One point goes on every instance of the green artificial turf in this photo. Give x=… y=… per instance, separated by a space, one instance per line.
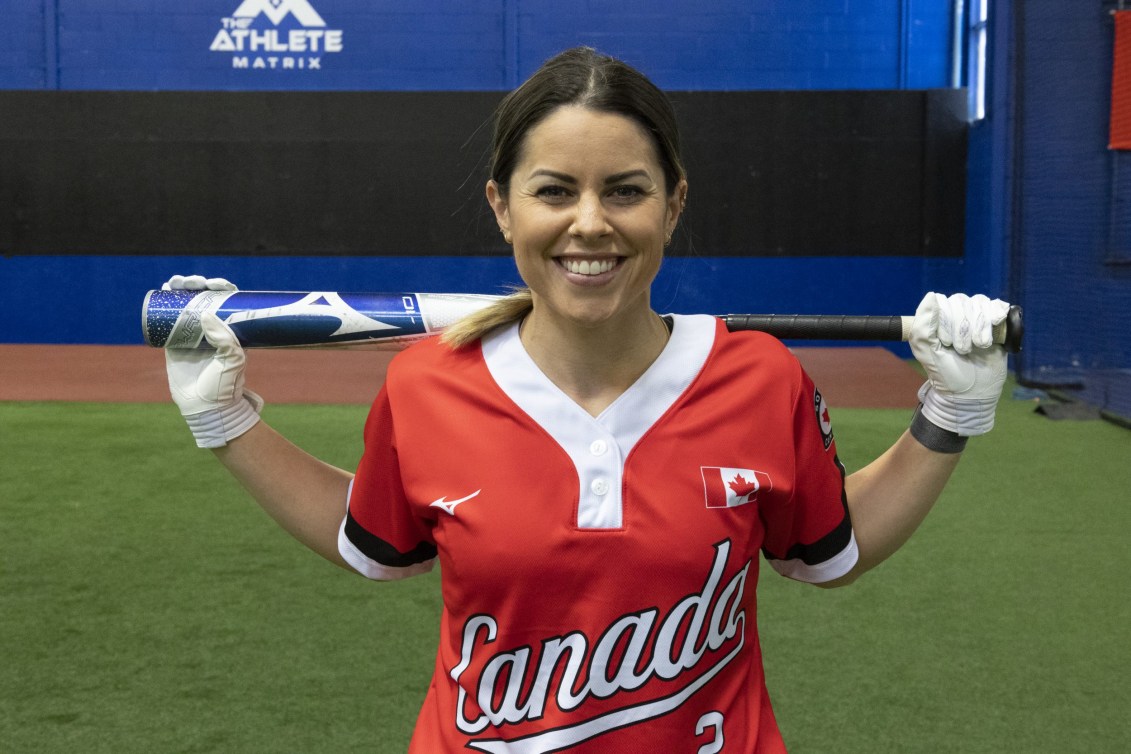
x=147 y=605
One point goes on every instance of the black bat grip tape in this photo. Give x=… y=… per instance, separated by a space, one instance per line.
x=819 y=326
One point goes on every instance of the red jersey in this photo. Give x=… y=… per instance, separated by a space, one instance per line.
x=599 y=573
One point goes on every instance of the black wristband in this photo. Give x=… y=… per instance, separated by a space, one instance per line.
x=934 y=437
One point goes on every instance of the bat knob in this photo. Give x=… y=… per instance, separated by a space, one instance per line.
x=1014 y=330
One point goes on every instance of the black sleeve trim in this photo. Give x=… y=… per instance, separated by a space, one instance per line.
x=827 y=547
x=824 y=549
x=380 y=551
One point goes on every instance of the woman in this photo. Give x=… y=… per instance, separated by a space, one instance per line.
x=596 y=480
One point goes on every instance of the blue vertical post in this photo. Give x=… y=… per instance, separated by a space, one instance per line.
x=957 y=42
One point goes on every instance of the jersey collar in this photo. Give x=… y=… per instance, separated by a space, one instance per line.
x=598 y=446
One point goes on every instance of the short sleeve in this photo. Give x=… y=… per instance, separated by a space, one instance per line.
x=809 y=538
x=381 y=537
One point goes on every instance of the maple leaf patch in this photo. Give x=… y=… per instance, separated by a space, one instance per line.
x=725 y=487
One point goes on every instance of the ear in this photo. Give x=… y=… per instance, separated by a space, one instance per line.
x=498 y=201
x=676 y=202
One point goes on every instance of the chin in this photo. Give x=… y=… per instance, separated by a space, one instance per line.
x=594 y=311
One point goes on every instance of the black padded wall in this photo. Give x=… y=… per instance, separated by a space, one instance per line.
x=791 y=173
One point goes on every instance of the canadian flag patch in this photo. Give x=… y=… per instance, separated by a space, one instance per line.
x=728 y=488
x=824 y=421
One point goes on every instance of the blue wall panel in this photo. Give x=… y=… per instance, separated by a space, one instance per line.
x=474 y=44
x=23 y=46
x=771 y=44
x=380 y=45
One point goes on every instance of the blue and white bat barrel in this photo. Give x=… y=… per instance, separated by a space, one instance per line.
x=291 y=319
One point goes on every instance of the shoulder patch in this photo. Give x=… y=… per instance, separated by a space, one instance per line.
x=824 y=421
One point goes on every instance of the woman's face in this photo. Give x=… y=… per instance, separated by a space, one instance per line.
x=588 y=215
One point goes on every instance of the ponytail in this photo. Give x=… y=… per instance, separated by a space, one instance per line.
x=474 y=326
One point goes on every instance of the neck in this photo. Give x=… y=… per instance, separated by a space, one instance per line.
x=594 y=364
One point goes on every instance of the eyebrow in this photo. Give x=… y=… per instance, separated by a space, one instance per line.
x=615 y=178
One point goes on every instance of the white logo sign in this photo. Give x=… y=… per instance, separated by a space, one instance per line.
x=254 y=44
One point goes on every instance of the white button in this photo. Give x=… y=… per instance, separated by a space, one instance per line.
x=599 y=447
x=600 y=486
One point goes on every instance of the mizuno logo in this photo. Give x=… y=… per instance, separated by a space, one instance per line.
x=449 y=506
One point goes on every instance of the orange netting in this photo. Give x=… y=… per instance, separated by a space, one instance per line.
x=1121 y=83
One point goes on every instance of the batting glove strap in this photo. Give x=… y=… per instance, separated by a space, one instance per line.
x=933 y=437
x=966 y=416
x=217 y=427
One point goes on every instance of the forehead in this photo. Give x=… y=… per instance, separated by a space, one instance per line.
x=590 y=137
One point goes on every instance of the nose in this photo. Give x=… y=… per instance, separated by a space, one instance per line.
x=589 y=221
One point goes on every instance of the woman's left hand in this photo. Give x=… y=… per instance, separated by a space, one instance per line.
x=952 y=337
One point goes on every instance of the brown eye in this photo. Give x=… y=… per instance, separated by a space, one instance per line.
x=627 y=193
x=551 y=193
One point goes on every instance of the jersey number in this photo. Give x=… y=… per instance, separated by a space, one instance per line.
x=711 y=720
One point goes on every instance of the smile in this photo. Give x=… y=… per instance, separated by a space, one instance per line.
x=587 y=267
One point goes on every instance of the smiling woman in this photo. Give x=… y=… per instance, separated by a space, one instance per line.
x=598 y=481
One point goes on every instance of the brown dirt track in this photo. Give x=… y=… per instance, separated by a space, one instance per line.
x=847 y=377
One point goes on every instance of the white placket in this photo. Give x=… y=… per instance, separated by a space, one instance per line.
x=598 y=446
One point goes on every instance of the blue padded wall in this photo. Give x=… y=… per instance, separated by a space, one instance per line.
x=472 y=44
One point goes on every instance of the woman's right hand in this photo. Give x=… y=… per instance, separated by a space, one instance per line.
x=306 y=496
x=208 y=385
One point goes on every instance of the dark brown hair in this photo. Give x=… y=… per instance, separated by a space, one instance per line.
x=584 y=77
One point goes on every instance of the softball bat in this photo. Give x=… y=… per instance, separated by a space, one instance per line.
x=390 y=321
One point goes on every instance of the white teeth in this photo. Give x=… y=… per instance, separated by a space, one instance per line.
x=585 y=267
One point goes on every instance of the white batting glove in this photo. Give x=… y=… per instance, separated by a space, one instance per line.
x=208 y=386
x=952 y=337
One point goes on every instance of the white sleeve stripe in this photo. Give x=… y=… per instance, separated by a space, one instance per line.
x=818 y=573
